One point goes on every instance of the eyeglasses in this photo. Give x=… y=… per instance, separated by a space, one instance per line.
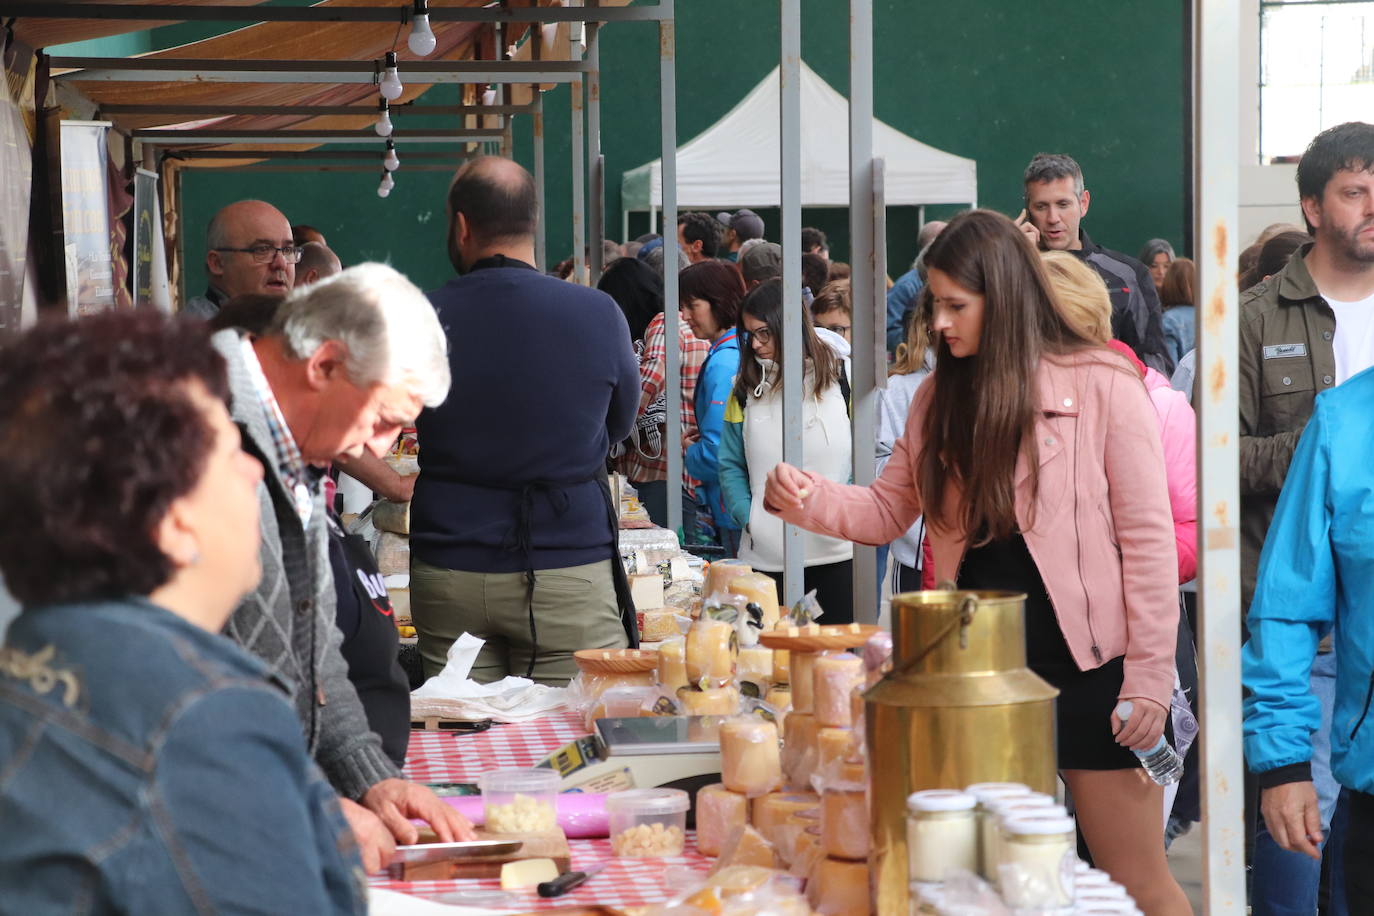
x=263 y=254
x=763 y=335
x=841 y=329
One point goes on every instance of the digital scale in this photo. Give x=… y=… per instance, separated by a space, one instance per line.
x=679 y=752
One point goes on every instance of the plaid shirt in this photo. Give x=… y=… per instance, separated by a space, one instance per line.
x=294 y=471
x=634 y=464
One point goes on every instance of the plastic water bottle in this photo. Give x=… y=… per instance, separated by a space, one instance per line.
x=1161 y=761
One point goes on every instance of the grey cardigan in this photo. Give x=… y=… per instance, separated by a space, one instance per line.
x=288 y=620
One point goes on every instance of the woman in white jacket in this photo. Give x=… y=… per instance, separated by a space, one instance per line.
x=751 y=444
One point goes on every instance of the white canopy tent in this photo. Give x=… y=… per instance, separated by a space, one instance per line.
x=735 y=162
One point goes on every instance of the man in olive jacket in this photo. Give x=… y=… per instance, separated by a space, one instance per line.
x=1304 y=330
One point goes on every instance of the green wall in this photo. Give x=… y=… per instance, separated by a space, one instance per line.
x=993 y=81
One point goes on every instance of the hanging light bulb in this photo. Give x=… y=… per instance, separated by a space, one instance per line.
x=489 y=96
x=383 y=126
x=390 y=85
x=548 y=33
x=387 y=183
x=391 y=161
x=422 y=40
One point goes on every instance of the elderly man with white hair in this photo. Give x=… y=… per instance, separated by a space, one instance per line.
x=345 y=364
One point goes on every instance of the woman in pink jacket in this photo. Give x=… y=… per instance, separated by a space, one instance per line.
x=1035 y=457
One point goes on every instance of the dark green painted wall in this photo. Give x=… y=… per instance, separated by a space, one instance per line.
x=994 y=81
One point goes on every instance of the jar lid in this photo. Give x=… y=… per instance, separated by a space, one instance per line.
x=1006 y=812
x=940 y=800
x=648 y=801
x=534 y=781
x=979 y=789
x=1038 y=824
x=1001 y=803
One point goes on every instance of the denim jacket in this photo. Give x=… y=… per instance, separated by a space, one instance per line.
x=148 y=766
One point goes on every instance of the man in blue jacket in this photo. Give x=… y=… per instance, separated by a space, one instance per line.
x=1316 y=576
x=513 y=531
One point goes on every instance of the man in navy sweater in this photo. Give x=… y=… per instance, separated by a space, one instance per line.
x=513 y=532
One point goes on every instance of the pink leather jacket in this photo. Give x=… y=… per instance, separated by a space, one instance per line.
x=1101 y=532
x=1178 y=429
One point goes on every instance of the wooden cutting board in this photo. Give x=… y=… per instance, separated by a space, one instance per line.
x=550 y=845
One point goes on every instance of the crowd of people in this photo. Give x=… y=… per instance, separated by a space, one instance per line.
x=205 y=655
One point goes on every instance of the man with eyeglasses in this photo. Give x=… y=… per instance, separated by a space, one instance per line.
x=249 y=249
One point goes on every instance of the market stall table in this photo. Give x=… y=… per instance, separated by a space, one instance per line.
x=451 y=757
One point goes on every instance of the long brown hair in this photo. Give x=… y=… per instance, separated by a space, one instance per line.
x=912 y=352
x=764 y=302
x=1179 y=284
x=983 y=409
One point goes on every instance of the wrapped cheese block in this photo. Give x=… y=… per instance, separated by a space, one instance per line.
x=835 y=676
x=759 y=589
x=711 y=649
x=805 y=848
x=799 y=750
x=833 y=747
x=713 y=701
x=720 y=572
x=720 y=813
x=771 y=811
x=844 y=821
x=750 y=758
x=664 y=623
x=755 y=666
x=839 y=888
x=802 y=681
x=646 y=590
x=746 y=846
x=672 y=664
x=393 y=554
x=391 y=516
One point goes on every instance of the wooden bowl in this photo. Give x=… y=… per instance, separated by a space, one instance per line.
x=818 y=638
x=616 y=661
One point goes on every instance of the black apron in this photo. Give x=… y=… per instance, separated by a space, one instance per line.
x=370 y=642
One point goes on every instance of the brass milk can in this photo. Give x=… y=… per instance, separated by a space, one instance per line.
x=959 y=707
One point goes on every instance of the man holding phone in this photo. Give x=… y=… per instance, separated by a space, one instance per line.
x=1056 y=203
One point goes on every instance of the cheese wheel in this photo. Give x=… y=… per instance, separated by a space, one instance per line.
x=672 y=664
x=655 y=626
x=750 y=758
x=771 y=811
x=711 y=649
x=720 y=572
x=838 y=888
x=803 y=684
x=720 y=813
x=755 y=663
x=799 y=750
x=844 y=821
x=834 y=678
x=713 y=701
x=757 y=588
x=833 y=747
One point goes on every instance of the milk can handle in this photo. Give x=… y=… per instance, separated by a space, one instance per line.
x=963 y=620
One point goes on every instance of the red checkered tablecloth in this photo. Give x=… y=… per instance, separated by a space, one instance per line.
x=447 y=756
x=462 y=757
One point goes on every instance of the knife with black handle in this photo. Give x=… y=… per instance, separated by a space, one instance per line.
x=567 y=881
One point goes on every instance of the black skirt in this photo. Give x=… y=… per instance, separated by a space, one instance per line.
x=1086 y=698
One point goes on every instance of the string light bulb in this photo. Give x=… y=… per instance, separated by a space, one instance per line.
x=387 y=183
x=383 y=126
x=422 y=40
x=548 y=33
x=390 y=85
x=489 y=96
x=391 y=161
